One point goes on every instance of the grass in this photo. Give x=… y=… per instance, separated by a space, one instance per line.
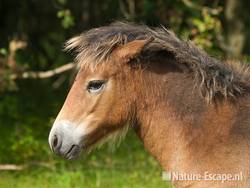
x=127 y=166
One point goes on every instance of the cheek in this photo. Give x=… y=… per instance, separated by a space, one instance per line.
x=117 y=106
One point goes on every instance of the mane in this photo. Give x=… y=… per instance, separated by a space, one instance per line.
x=216 y=79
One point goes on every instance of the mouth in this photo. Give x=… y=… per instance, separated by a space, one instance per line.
x=87 y=147
x=73 y=152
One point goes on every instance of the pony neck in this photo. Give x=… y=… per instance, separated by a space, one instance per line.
x=175 y=123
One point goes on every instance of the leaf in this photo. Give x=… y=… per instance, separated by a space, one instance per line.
x=3 y=51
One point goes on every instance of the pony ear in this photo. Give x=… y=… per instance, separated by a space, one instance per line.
x=131 y=49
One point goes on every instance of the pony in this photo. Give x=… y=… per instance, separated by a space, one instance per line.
x=190 y=110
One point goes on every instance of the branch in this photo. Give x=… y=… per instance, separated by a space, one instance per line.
x=11 y=167
x=16 y=167
x=43 y=74
x=192 y=5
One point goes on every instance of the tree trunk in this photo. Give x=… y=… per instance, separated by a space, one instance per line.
x=234 y=28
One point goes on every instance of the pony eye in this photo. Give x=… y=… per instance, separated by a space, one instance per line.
x=95 y=86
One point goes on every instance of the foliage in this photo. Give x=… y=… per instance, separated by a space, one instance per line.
x=67 y=18
x=134 y=168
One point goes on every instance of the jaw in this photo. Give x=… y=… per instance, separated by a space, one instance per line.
x=114 y=138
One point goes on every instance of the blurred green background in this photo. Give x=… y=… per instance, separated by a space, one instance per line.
x=32 y=34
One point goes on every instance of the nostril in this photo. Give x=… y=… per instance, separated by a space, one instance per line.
x=55 y=141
